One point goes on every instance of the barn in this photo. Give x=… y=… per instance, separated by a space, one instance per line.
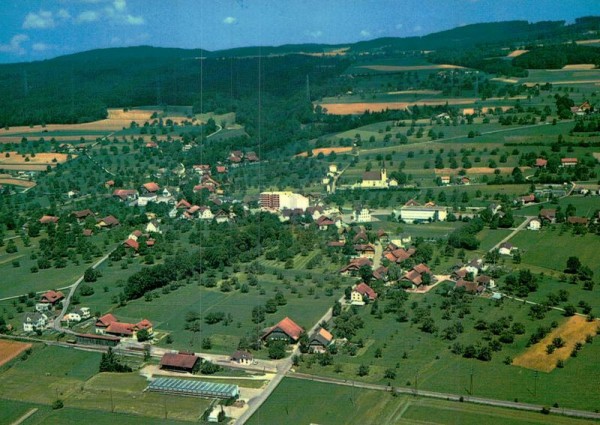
x=179 y=362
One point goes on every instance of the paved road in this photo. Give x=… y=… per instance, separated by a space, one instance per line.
x=514 y=232
x=282 y=369
x=65 y=305
x=449 y=396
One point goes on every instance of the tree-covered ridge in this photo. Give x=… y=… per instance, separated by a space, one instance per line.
x=556 y=57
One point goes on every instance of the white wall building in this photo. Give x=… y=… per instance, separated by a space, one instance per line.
x=283 y=200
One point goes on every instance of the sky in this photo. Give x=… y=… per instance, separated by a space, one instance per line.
x=41 y=29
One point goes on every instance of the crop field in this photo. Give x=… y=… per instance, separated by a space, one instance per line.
x=16 y=182
x=326 y=151
x=357 y=406
x=576 y=329
x=563 y=76
x=11 y=349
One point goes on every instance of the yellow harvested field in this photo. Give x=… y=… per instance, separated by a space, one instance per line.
x=594 y=41
x=131 y=114
x=391 y=68
x=11 y=349
x=505 y=80
x=476 y=170
x=596 y=155
x=326 y=151
x=516 y=53
x=16 y=182
x=573 y=331
x=359 y=108
x=46 y=158
x=580 y=66
x=415 y=92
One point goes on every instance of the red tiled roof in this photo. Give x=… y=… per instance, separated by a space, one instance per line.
x=52 y=297
x=88 y=232
x=568 y=160
x=541 y=162
x=144 y=324
x=151 y=187
x=288 y=327
x=325 y=334
x=105 y=320
x=412 y=203
x=179 y=360
x=364 y=289
x=48 y=219
x=120 y=328
x=130 y=243
x=421 y=268
x=183 y=204
x=578 y=220
x=110 y=221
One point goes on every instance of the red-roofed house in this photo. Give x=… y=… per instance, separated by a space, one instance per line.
x=582 y=221
x=221 y=169
x=360 y=292
x=108 y=324
x=527 y=199
x=568 y=162
x=286 y=330
x=355 y=264
x=183 y=204
x=83 y=214
x=320 y=341
x=541 y=163
x=150 y=187
x=103 y=322
x=48 y=219
x=108 y=221
x=468 y=286
x=131 y=243
x=126 y=194
x=179 y=362
x=49 y=300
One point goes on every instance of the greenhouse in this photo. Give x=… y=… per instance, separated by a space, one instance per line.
x=193 y=388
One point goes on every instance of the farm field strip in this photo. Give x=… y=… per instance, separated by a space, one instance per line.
x=11 y=349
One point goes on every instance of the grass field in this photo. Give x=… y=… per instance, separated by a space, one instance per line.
x=353 y=406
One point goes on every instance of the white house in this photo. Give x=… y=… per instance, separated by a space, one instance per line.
x=506 y=249
x=71 y=317
x=153 y=227
x=412 y=212
x=33 y=321
x=362 y=215
x=205 y=213
x=534 y=224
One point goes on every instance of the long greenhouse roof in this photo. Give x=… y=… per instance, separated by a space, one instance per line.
x=187 y=386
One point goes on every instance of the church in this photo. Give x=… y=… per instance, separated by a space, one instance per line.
x=376 y=180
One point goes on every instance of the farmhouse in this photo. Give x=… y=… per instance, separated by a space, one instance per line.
x=548 y=215
x=320 y=341
x=541 y=163
x=49 y=301
x=471 y=287
x=360 y=292
x=580 y=221
x=413 y=212
x=568 y=162
x=527 y=199
x=418 y=275
x=365 y=250
x=126 y=195
x=108 y=222
x=355 y=264
x=534 y=224
x=82 y=215
x=47 y=219
x=324 y=222
x=286 y=330
x=108 y=324
x=149 y=188
x=242 y=357
x=179 y=362
x=34 y=321
x=506 y=249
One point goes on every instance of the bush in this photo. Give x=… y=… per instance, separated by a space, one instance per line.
x=57 y=404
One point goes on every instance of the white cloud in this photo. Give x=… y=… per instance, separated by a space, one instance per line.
x=63 y=14
x=417 y=28
x=120 y=5
x=42 y=47
x=315 y=34
x=229 y=20
x=399 y=26
x=365 y=33
x=135 y=20
x=87 y=16
x=15 y=45
x=41 y=20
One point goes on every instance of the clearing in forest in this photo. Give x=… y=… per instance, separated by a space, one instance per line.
x=326 y=151
x=573 y=331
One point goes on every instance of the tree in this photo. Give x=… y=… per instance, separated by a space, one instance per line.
x=363 y=370
x=90 y=275
x=337 y=309
x=389 y=374
x=573 y=265
x=143 y=335
x=277 y=350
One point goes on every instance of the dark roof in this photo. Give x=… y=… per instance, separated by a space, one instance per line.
x=179 y=360
x=371 y=175
x=241 y=355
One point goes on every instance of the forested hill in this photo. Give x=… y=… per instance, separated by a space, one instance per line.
x=79 y=87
